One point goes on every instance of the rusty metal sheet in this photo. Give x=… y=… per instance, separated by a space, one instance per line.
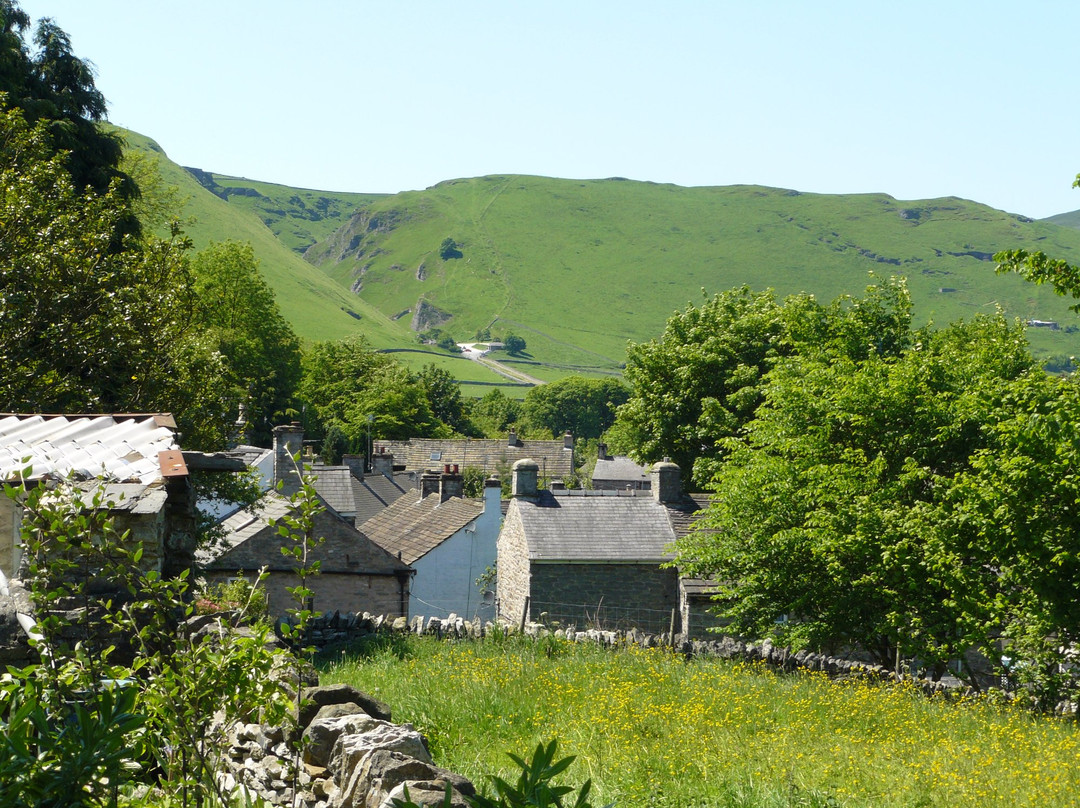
x=172 y=464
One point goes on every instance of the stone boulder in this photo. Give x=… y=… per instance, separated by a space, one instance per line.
x=384 y=770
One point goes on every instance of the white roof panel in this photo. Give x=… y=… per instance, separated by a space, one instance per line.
x=123 y=448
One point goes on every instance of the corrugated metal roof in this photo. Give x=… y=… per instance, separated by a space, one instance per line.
x=121 y=448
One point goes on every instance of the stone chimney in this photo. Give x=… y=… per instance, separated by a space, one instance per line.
x=382 y=462
x=451 y=484
x=355 y=462
x=524 y=481
x=601 y=451
x=666 y=485
x=240 y=433
x=568 y=441
x=512 y=439
x=429 y=483
x=288 y=443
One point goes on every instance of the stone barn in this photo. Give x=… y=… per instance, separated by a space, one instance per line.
x=593 y=558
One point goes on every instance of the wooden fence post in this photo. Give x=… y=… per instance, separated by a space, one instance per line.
x=524 y=615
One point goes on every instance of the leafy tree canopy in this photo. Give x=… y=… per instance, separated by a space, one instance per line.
x=447 y=403
x=84 y=326
x=236 y=310
x=910 y=503
x=345 y=381
x=584 y=407
x=703 y=379
x=48 y=83
x=514 y=344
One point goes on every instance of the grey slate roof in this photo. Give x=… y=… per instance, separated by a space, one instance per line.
x=603 y=526
x=414 y=527
x=118 y=447
x=375 y=492
x=252 y=542
x=620 y=469
x=418 y=454
x=242 y=525
x=334 y=485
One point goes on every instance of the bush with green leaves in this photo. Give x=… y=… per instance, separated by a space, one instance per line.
x=80 y=729
x=535 y=786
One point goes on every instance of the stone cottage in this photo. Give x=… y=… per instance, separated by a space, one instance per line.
x=554 y=458
x=132 y=460
x=355 y=575
x=618 y=472
x=448 y=539
x=593 y=557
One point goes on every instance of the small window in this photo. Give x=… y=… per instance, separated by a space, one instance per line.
x=436 y=455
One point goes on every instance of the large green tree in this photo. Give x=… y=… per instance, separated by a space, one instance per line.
x=703 y=379
x=907 y=503
x=345 y=382
x=584 y=407
x=41 y=76
x=236 y=312
x=84 y=326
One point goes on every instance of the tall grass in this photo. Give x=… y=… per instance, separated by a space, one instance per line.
x=651 y=729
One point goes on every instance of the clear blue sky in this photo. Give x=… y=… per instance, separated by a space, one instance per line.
x=914 y=99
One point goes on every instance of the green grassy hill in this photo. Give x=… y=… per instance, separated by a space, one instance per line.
x=317 y=307
x=580 y=267
x=1070 y=219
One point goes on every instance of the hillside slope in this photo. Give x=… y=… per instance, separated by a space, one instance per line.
x=316 y=307
x=579 y=267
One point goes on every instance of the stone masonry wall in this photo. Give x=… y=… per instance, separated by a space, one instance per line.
x=513 y=567
x=380 y=594
x=644 y=594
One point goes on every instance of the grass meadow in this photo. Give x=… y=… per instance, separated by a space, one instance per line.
x=651 y=729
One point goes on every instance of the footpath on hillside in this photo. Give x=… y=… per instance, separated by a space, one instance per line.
x=470 y=350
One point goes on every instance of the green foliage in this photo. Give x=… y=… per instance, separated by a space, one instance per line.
x=495 y=413
x=584 y=407
x=702 y=381
x=514 y=344
x=60 y=755
x=535 y=786
x=236 y=310
x=298 y=529
x=237 y=595
x=85 y=326
x=50 y=85
x=345 y=381
x=449 y=250
x=444 y=397
x=82 y=729
x=909 y=503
